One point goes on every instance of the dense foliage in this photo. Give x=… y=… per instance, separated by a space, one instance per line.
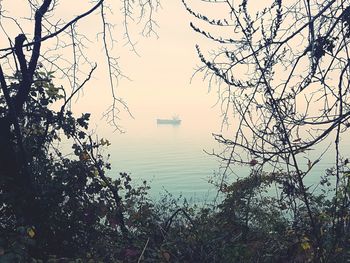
x=75 y=213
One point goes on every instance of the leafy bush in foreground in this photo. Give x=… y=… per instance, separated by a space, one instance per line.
x=72 y=212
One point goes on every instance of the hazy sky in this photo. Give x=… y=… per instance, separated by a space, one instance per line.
x=160 y=76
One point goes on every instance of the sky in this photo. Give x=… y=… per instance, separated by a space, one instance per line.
x=160 y=84
x=159 y=81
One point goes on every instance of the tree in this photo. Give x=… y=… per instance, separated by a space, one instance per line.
x=33 y=172
x=283 y=74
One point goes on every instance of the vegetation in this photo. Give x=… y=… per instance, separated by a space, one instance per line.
x=59 y=207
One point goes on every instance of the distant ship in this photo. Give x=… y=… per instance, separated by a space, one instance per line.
x=173 y=121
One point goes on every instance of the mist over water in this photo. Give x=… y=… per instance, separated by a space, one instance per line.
x=169 y=157
x=172 y=157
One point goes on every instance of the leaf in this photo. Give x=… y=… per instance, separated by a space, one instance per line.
x=338 y=250
x=84 y=156
x=305 y=245
x=105 y=142
x=30 y=232
x=95 y=172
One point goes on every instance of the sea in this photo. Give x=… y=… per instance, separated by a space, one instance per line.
x=179 y=160
x=171 y=158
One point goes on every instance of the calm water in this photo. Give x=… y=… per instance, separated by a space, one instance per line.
x=171 y=158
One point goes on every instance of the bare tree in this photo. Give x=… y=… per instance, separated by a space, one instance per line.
x=66 y=51
x=282 y=75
